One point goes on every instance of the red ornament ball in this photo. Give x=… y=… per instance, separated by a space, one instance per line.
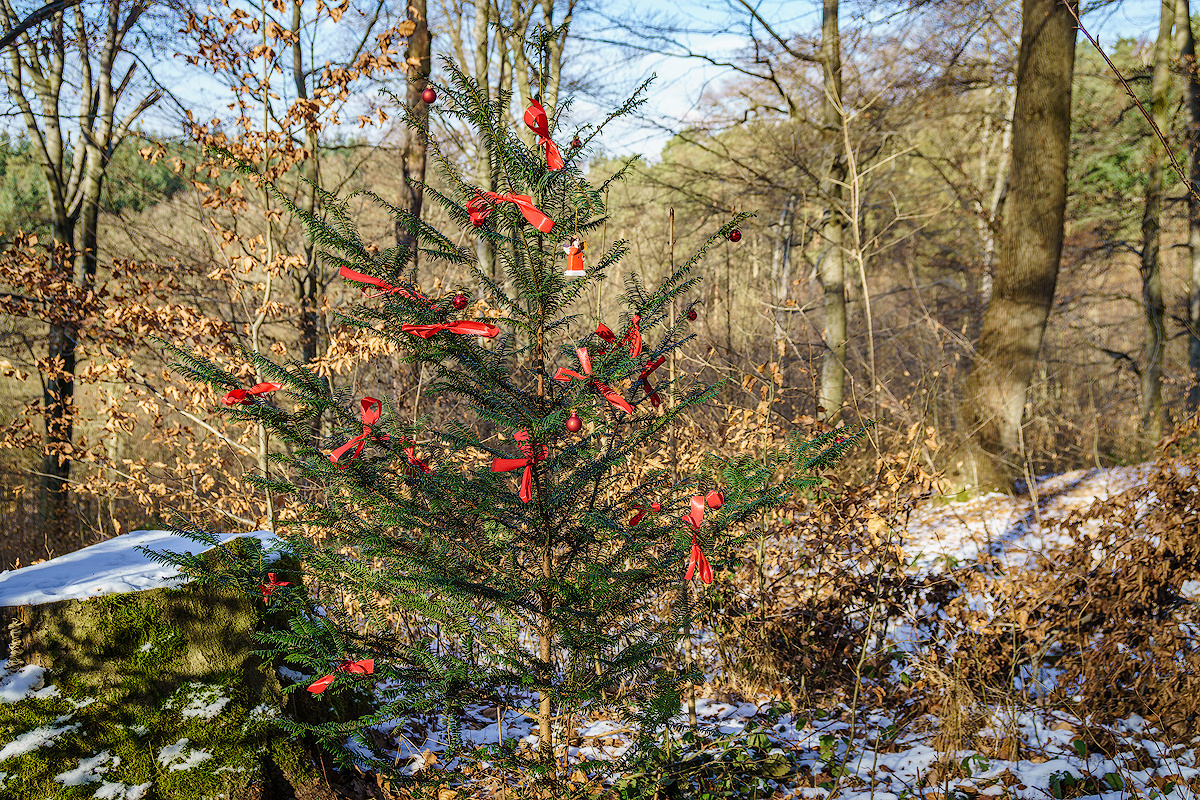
x=574 y=423
x=576 y=144
x=735 y=235
x=429 y=95
x=691 y=315
x=460 y=301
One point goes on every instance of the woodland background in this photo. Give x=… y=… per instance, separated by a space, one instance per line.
x=882 y=183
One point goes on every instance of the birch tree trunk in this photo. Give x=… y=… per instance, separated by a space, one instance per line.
x=832 y=266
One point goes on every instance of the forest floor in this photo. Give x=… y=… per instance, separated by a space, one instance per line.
x=893 y=739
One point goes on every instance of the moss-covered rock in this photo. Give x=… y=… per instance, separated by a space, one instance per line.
x=158 y=696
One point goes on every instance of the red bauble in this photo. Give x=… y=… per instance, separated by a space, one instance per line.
x=574 y=423
x=460 y=301
x=691 y=315
x=429 y=95
x=576 y=144
x=735 y=235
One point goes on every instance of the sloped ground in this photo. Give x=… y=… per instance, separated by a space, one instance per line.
x=926 y=721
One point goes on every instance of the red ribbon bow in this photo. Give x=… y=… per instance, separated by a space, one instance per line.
x=509 y=464
x=411 y=452
x=535 y=118
x=370 y=414
x=585 y=362
x=633 y=336
x=267 y=588
x=644 y=380
x=243 y=396
x=384 y=286
x=366 y=667
x=525 y=203
x=478 y=210
x=715 y=499
x=466 y=326
x=697 y=559
x=641 y=512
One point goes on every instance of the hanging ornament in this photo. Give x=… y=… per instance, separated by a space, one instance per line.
x=691 y=315
x=460 y=301
x=576 y=144
x=574 y=423
x=735 y=235
x=574 y=250
x=429 y=95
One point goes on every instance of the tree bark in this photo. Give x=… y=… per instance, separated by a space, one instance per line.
x=1153 y=413
x=832 y=267
x=36 y=70
x=1031 y=246
x=1187 y=57
x=417 y=60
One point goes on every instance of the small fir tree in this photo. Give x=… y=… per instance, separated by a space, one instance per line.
x=556 y=573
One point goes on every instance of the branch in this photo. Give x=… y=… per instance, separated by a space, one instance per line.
x=41 y=15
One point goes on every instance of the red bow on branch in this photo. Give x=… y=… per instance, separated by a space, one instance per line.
x=535 y=118
x=525 y=203
x=633 y=336
x=644 y=380
x=696 y=559
x=411 y=452
x=585 y=362
x=478 y=210
x=467 y=327
x=509 y=464
x=366 y=667
x=267 y=588
x=384 y=286
x=243 y=396
x=641 y=512
x=370 y=414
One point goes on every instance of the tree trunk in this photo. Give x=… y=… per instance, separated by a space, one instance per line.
x=832 y=268
x=1030 y=248
x=417 y=59
x=483 y=162
x=1187 y=56
x=1151 y=267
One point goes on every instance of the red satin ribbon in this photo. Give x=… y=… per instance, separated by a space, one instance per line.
x=525 y=203
x=267 y=588
x=644 y=380
x=695 y=516
x=370 y=413
x=411 y=452
x=535 y=118
x=366 y=667
x=243 y=396
x=509 y=464
x=478 y=210
x=633 y=336
x=715 y=499
x=641 y=512
x=466 y=326
x=386 y=287
x=585 y=362
x=697 y=560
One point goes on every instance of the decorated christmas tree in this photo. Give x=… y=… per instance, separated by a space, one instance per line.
x=532 y=562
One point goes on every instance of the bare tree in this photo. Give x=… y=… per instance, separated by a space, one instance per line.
x=44 y=63
x=1031 y=246
x=1186 y=44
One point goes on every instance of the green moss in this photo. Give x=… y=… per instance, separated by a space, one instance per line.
x=133 y=673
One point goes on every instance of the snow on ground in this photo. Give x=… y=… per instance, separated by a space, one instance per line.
x=113 y=566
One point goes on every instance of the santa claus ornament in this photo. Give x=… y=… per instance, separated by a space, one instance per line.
x=574 y=250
